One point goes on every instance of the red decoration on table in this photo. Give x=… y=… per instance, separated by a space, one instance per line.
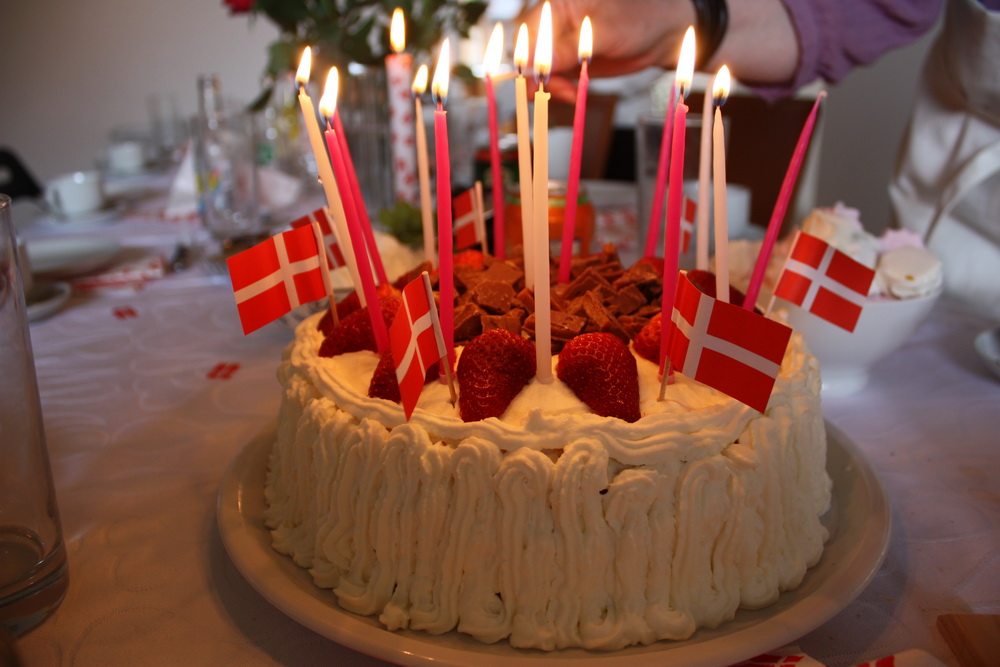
x=416 y=341
x=276 y=276
x=333 y=252
x=222 y=371
x=465 y=220
x=690 y=207
x=354 y=194
x=576 y=151
x=781 y=204
x=724 y=346
x=124 y=312
x=824 y=281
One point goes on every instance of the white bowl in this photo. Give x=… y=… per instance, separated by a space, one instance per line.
x=845 y=357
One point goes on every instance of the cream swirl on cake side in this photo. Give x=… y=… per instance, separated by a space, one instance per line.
x=551 y=527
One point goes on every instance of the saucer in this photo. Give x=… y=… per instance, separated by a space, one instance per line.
x=70 y=257
x=107 y=213
x=45 y=299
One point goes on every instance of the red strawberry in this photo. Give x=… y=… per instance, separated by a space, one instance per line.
x=384 y=384
x=470 y=258
x=355 y=331
x=705 y=281
x=492 y=370
x=647 y=343
x=601 y=371
x=350 y=304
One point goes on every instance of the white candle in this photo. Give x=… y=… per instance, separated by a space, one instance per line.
x=720 y=90
x=540 y=195
x=423 y=170
x=325 y=171
x=704 y=155
x=524 y=153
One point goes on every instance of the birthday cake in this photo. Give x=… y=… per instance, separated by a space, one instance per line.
x=547 y=524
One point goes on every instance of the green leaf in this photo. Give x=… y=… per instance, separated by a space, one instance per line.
x=403 y=221
x=259 y=103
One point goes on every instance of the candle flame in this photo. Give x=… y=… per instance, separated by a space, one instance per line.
x=685 y=64
x=586 y=49
x=720 y=88
x=521 y=49
x=305 y=64
x=328 y=102
x=439 y=86
x=494 y=50
x=419 y=86
x=397 y=31
x=543 y=47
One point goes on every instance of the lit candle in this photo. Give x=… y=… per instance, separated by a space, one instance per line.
x=540 y=195
x=704 y=156
x=672 y=235
x=781 y=204
x=328 y=107
x=423 y=170
x=524 y=152
x=720 y=91
x=585 y=50
x=662 y=165
x=323 y=167
x=491 y=63
x=439 y=87
x=359 y=203
x=398 y=69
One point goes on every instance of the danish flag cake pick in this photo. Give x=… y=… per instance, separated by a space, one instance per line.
x=416 y=341
x=276 y=276
x=733 y=350
x=689 y=212
x=824 y=281
x=333 y=252
x=466 y=215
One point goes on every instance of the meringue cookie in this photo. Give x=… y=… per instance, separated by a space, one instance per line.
x=909 y=272
x=840 y=226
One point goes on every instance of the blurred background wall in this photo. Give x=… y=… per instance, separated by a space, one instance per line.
x=72 y=71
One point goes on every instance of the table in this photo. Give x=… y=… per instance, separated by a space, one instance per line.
x=147 y=397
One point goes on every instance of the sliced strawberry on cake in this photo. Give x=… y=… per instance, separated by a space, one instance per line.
x=492 y=370
x=601 y=371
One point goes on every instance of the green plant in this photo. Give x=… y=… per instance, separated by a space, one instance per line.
x=343 y=31
x=403 y=221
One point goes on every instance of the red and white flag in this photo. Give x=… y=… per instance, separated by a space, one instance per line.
x=333 y=253
x=466 y=214
x=724 y=346
x=824 y=281
x=415 y=340
x=689 y=208
x=276 y=276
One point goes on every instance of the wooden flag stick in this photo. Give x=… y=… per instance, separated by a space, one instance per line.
x=665 y=379
x=479 y=208
x=324 y=268
x=439 y=337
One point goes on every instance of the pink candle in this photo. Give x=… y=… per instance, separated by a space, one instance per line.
x=781 y=205
x=357 y=244
x=672 y=236
x=359 y=201
x=576 y=152
x=656 y=206
x=442 y=158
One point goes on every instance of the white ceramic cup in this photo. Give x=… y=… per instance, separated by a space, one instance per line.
x=75 y=194
x=126 y=157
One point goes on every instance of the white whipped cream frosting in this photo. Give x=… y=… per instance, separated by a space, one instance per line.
x=551 y=527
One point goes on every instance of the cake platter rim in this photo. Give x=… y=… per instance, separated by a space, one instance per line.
x=859 y=522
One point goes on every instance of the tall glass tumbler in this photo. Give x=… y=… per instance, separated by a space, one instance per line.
x=33 y=574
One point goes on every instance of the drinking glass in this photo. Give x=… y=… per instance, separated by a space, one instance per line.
x=33 y=574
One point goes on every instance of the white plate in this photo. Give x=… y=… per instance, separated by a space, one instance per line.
x=46 y=298
x=70 y=257
x=859 y=524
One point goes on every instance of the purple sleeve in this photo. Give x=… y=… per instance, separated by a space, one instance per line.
x=837 y=35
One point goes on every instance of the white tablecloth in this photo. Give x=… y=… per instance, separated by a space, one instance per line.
x=148 y=397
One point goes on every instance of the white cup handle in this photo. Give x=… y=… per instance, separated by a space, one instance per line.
x=53 y=199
